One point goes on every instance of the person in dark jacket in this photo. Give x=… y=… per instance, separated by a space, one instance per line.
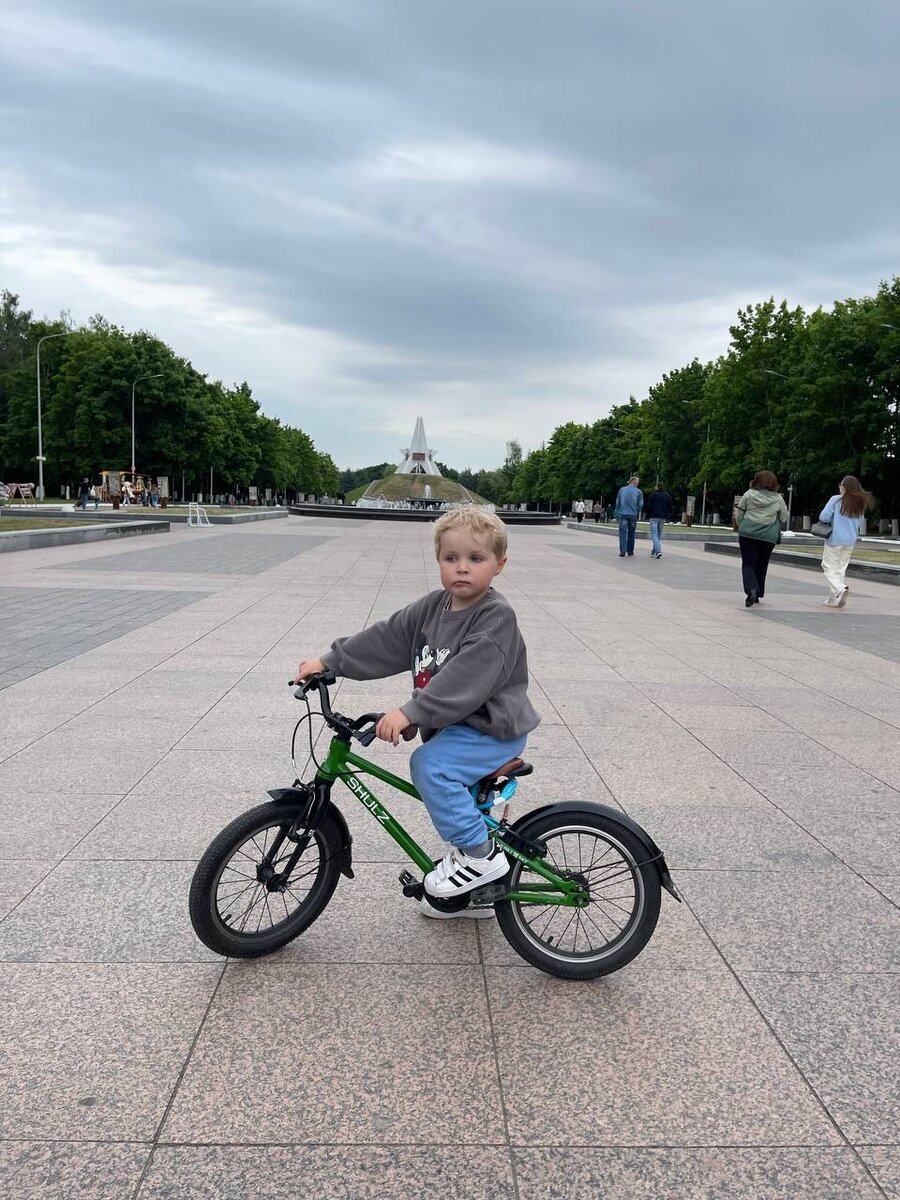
x=658 y=507
x=83 y=492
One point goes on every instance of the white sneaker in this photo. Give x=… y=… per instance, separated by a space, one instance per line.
x=458 y=873
x=830 y=603
x=475 y=913
x=842 y=598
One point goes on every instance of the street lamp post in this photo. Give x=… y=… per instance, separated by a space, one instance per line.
x=157 y=375
x=703 y=509
x=40 y=453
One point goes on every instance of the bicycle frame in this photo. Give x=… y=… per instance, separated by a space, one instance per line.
x=567 y=893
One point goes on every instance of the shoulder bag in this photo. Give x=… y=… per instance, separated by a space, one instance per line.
x=821 y=529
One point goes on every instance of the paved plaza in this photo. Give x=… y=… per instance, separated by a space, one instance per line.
x=750 y=1052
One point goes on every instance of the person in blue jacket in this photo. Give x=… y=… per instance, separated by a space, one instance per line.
x=658 y=508
x=629 y=502
x=845 y=512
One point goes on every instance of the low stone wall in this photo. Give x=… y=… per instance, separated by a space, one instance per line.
x=37 y=539
x=217 y=516
x=349 y=512
x=879 y=572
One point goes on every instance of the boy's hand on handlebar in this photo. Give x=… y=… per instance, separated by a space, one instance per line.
x=309 y=666
x=391 y=726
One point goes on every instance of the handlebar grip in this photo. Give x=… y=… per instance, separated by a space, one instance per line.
x=322 y=679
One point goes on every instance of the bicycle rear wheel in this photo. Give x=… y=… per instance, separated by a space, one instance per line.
x=246 y=898
x=611 y=862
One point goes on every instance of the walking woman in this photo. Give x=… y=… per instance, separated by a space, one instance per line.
x=759 y=517
x=845 y=512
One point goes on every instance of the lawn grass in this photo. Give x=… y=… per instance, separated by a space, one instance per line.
x=865 y=555
x=17 y=524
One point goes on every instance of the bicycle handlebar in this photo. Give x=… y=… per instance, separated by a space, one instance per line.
x=321 y=683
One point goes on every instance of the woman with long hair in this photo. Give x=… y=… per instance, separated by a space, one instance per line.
x=759 y=517
x=845 y=512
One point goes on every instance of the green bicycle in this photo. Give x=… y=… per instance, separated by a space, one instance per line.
x=581 y=898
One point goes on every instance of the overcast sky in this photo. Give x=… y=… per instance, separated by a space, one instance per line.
x=496 y=214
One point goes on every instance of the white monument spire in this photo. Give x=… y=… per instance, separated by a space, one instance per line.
x=417 y=458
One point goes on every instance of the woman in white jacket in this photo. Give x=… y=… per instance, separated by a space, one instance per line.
x=845 y=512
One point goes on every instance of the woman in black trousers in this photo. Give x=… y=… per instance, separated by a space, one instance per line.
x=759 y=517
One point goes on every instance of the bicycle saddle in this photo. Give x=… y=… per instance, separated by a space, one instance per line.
x=510 y=770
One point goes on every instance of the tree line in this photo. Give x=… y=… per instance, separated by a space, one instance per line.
x=186 y=425
x=811 y=397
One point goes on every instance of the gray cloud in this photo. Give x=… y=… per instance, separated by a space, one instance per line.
x=501 y=215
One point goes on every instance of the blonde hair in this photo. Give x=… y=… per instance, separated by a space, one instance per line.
x=479 y=521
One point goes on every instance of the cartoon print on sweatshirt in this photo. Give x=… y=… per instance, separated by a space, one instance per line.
x=427 y=662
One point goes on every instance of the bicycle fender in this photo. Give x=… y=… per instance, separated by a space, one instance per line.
x=293 y=795
x=613 y=814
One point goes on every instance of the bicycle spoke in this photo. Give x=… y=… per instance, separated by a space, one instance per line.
x=246 y=905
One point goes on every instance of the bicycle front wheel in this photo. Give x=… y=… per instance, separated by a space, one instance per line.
x=611 y=862
x=248 y=897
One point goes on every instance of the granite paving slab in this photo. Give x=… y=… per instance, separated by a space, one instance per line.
x=18 y=877
x=327 y=1173
x=797 y=920
x=732 y=838
x=644 y=1057
x=214 y=552
x=48 y=824
x=71 y=1170
x=884 y=1163
x=92 y=1052
x=843 y=1032
x=105 y=912
x=46 y=626
x=873 y=633
x=351 y=1039
x=174 y=825
x=725 y=1173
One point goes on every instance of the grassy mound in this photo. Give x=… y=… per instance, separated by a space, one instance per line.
x=412 y=487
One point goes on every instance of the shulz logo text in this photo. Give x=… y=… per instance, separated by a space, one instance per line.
x=367 y=798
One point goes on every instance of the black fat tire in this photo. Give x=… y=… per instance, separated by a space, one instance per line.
x=638 y=929
x=206 y=919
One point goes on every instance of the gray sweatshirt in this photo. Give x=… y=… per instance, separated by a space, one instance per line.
x=469 y=667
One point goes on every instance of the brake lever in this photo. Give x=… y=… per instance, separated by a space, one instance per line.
x=367 y=738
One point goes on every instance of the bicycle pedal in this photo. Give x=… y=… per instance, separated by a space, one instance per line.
x=412 y=887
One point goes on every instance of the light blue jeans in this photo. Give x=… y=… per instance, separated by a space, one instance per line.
x=444 y=768
x=656 y=528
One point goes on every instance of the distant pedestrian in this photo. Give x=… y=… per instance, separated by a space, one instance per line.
x=659 y=508
x=598 y=512
x=83 y=492
x=629 y=502
x=154 y=496
x=579 y=511
x=95 y=496
x=845 y=512
x=758 y=518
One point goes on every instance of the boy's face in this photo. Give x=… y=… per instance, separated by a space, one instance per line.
x=468 y=566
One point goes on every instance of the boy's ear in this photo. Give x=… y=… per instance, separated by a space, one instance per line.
x=501 y=563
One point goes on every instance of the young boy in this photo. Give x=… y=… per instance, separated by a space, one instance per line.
x=470 y=678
